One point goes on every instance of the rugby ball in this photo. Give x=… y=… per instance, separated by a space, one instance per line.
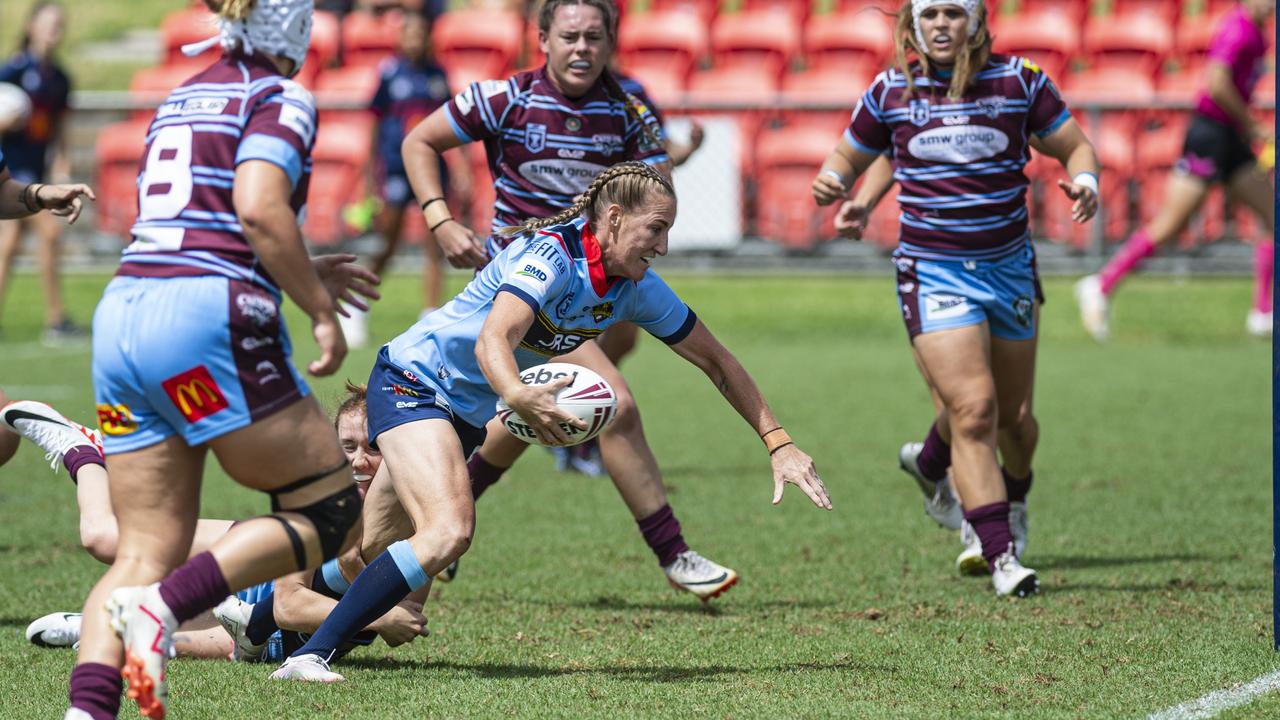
x=15 y=108
x=589 y=397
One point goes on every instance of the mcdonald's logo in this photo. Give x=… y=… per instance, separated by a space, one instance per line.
x=195 y=394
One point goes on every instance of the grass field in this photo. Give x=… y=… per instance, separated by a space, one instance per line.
x=1150 y=529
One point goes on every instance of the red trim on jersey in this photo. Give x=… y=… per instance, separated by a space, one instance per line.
x=595 y=268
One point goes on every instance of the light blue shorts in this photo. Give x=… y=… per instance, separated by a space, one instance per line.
x=197 y=357
x=944 y=294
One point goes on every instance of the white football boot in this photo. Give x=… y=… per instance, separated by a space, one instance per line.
x=1259 y=323
x=46 y=427
x=1011 y=578
x=970 y=560
x=60 y=629
x=233 y=614
x=693 y=573
x=76 y=714
x=306 y=668
x=939 y=500
x=146 y=625
x=1095 y=312
x=1018 y=526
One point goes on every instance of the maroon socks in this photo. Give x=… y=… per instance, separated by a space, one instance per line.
x=991 y=522
x=79 y=456
x=935 y=456
x=194 y=587
x=95 y=689
x=483 y=474
x=662 y=531
x=1016 y=488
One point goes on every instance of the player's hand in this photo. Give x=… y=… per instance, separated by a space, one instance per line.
x=1086 y=201
x=460 y=245
x=696 y=135
x=792 y=465
x=402 y=624
x=536 y=405
x=346 y=281
x=827 y=189
x=64 y=200
x=851 y=220
x=333 y=346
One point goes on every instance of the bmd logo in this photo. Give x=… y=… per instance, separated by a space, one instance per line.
x=195 y=394
x=533 y=272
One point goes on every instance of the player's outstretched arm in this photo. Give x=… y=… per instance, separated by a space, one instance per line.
x=20 y=200
x=839 y=172
x=506 y=324
x=1069 y=146
x=422 y=149
x=790 y=463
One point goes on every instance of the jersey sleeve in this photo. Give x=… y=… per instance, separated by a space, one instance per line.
x=867 y=131
x=1228 y=42
x=281 y=130
x=540 y=273
x=644 y=139
x=660 y=311
x=476 y=112
x=1046 y=110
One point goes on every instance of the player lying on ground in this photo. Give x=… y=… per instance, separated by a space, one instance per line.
x=458 y=361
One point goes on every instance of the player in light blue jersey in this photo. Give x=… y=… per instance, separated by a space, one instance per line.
x=433 y=388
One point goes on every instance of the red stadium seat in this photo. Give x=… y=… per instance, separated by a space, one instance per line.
x=477 y=44
x=799 y=11
x=193 y=24
x=1114 y=84
x=787 y=159
x=662 y=86
x=367 y=39
x=662 y=42
x=824 y=86
x=762 y=41
x=1183 y=85
x=1076 y=10
x=150 y=86
x=733 y=85
x=1165 y=11
x=339 y=166
x=1136 y=40
x=855 y=41
x=705 y=10
x=326 y=38
x=350 y=88
x=1049 y=38
x=118 y=156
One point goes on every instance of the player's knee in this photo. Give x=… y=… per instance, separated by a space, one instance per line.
x=973 y=417
x=99 y=541
x=454 y=533
x=627 y=416
x=1022 y=428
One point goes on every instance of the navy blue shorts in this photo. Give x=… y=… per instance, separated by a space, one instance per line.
x=397 y=396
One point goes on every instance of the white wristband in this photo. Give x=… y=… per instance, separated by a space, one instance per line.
x=837 y=177
x=1088 y=180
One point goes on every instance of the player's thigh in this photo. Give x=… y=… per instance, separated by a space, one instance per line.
x=427 y=463
x=384 y=518
x=1251 y=186
x=291 y=444
x=155 y=493
x=10 y=232
x=1183 y=195
x=1013 y=366
x=959 y=362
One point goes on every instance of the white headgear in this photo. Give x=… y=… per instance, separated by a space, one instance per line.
x=275 y=27
x=919 y=6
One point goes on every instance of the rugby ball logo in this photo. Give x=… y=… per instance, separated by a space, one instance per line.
x=589 y=397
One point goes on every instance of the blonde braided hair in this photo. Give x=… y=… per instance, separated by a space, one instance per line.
x=233 y=9
x=970 y=60
x=628 y=184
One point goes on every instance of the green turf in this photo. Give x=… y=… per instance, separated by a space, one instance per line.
x=1150 y=529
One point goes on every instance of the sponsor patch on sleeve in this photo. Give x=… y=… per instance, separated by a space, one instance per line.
x=534 y=275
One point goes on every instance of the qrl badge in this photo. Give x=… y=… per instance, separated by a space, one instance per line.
x=919 y=112
x=1022 y=310
x=535 y=137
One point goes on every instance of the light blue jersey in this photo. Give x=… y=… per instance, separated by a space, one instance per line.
x=558 y=273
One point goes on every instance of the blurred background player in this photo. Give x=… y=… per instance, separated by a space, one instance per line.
x=967 y=282
x=36 y=152
x=191 y=345
x=1218 y=149
x=541 y=285
x=571 y=106
x=410 y=88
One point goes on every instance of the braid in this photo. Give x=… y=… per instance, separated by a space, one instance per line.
x=235 y=9
x=635 y=179
x=629 y=102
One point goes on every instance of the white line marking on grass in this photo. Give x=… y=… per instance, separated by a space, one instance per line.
x=1217 y=701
